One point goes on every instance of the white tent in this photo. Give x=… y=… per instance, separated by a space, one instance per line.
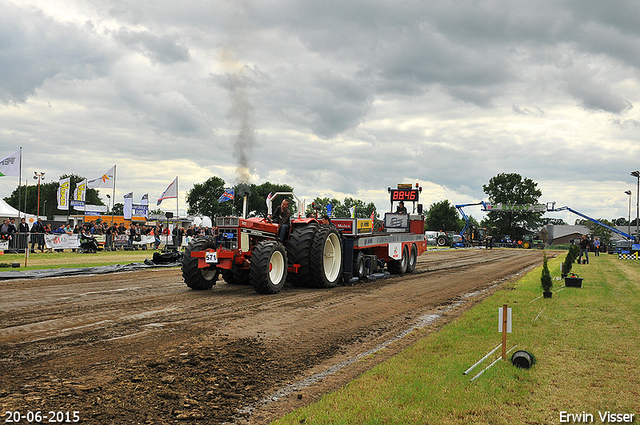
x=7 y=211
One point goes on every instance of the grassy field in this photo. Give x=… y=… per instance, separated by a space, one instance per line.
x=55 y=260
x=586 y=342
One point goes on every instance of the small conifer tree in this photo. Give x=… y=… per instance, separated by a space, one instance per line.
x=545 y=279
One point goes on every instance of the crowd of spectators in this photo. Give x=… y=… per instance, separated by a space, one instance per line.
x=112 y=233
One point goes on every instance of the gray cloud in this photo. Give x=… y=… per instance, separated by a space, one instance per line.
x=159 y=49
x=35 y=48
x=339 y=96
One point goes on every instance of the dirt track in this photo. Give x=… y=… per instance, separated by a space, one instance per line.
x=141 y=347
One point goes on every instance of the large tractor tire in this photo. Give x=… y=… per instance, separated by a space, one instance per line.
x=268 y=270
x=299 y=252
x=413 y=259
x=325 y=259
x=194 y=277
x=399 y=266
x=443 y=241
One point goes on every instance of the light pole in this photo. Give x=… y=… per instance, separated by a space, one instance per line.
x=44 y=209
x=628 y=192
x=636 y=174
x=38 y=176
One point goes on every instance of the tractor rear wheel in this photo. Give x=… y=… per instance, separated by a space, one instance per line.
x=413 y=259
x=399 y=266
x=194 y=277
x=325 y=259
x=299 y=252
x=442 y=241
x=268 y=270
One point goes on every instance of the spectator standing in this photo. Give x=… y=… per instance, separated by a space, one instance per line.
x=596 y=247
x=584 y=248
x=23 y=230
x=38 y=229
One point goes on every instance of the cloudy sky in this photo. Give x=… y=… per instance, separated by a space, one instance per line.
x=336 y=98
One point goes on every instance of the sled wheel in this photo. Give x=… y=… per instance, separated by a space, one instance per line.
x=194 y=277
x=399 y=266
x=268 y=269
x=413 y=259
x=359 y=267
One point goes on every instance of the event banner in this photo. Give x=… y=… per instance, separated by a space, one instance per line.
x=63 y=194
x=62 y=241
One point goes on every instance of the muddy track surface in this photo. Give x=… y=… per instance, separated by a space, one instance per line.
x=140 y=347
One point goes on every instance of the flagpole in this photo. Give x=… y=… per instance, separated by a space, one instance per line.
x=177 y=197
x=113 y=193
x=20 y=186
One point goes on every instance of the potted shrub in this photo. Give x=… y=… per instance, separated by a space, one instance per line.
x=545 y=279
x=569 y=260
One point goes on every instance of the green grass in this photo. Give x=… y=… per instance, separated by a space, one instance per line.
x=55 y=260
x=586 y=342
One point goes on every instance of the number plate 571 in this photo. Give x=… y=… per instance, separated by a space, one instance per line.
x=211 y=257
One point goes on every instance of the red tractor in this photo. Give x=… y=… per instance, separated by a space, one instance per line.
x=248 y=251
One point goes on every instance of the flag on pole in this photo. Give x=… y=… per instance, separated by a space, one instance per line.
x=329 y=209
x=228 y=195
x=79 y=196
x=128 y=205
x=81 y=191
x=170 y=192
x=145 y=199
x=107 y=180
x=352 y=211
x=63 y=194
x=10 y=166
x=373 y=215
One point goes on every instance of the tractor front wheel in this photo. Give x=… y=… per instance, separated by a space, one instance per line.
x=194 y=277
x=268 y=269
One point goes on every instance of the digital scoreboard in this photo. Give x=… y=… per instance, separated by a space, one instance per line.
x=404 y=195
x=405 y=192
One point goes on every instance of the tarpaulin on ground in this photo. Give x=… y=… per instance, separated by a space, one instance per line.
x=115 y=268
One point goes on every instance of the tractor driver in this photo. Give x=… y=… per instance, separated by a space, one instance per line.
x=401 y=208
x=282 y=215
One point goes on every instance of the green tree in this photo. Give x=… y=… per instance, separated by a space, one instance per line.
x=202 y=199
x=554 y=221
x=342 y=209
x=117 y=209
x=320 y=204
x=512 y=189
x=258 y=199
x=443 y=216
x=620 y=221
x=598 y=231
